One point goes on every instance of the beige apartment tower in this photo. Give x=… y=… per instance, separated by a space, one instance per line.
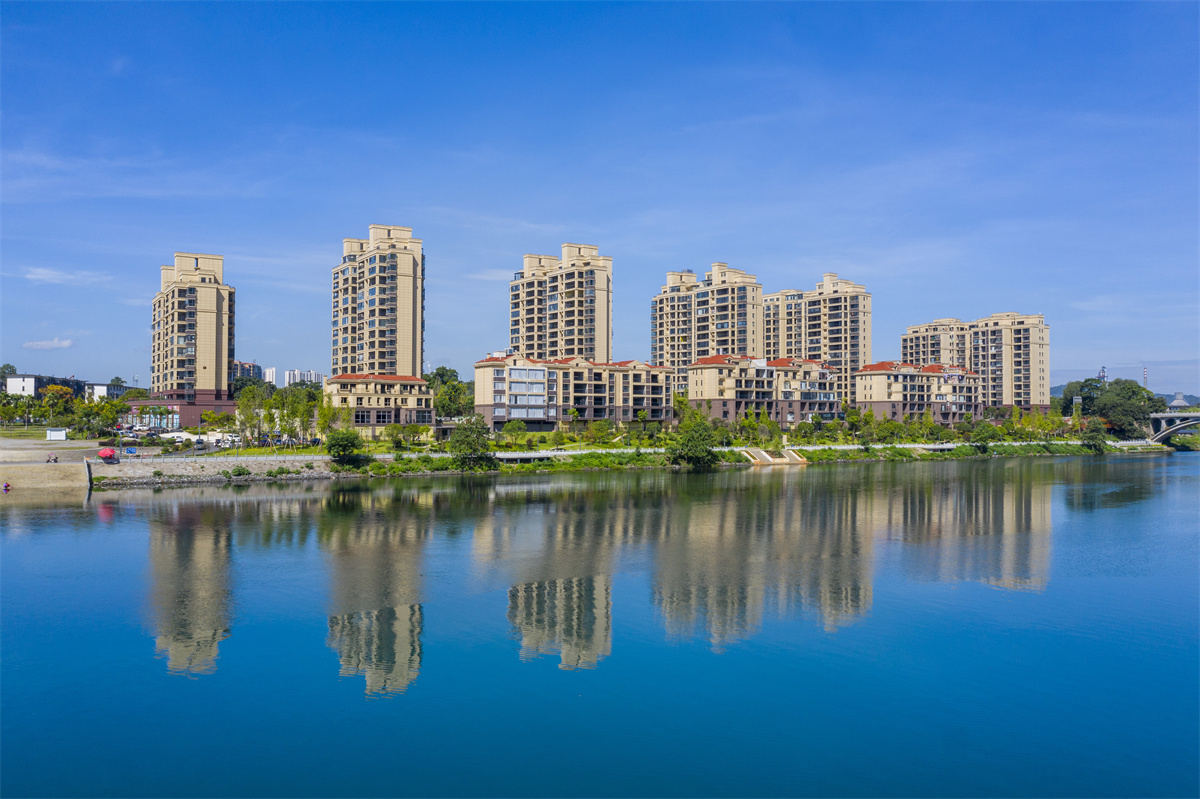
x=192 y=328
x=831 y=324
x=562 y=307
x=1009 y=351
x=692 y=319
x=379 y=305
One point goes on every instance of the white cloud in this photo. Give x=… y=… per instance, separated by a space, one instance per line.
x=55 y=343
x=42 y=275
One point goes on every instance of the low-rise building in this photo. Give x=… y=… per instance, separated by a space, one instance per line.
x=544 y=393
x=790 y=390
x=379 y=400
x=32 y=385
x=897 y=390
x=105 y=390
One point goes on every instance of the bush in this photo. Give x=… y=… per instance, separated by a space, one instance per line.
x=157 y=473
x=343 y=446
x=240 y=471
x=308 y=465
x=226 y=474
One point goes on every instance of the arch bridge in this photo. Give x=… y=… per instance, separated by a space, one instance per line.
x=1165 y=425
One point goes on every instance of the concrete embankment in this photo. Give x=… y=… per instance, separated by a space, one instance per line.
x=181 y=471
x=27 y=477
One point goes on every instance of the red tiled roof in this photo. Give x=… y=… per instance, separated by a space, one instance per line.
x=886 y=366
x=715 y=359
x=793 y=361
x=393 y=378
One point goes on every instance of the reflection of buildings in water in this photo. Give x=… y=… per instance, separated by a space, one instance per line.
x=988 y=527
x=375 y=545
x=776 y=546
x=190 y=594
x=556 y=548
x=570 y=616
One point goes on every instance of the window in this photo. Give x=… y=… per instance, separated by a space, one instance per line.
x=362 y=417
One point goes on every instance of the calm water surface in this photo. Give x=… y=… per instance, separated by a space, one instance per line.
x=1006 y=628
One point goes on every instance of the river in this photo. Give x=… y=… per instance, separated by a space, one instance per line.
x=1012 y=627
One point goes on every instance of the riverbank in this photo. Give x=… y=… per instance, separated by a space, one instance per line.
x=193 y=471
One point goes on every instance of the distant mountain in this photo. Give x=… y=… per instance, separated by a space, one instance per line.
x=1192 y=399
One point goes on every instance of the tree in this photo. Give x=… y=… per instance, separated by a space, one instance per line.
x=7 y=370
x=451 y=400
x=441 y=376
x=343 y=446
x=469 y=443
x=514 y=429
x=599 y=431
x=244 y=382
x=117 y=381
x=327 y=416
x=415 y=431
x=395 y=434
x=1094 y=436
x=136 y=393
x=679 y=404
x=1126 y=406
x=1089 y=390
x=985 y=434
x=695 y=445
x=642 y=417
x=574 y=413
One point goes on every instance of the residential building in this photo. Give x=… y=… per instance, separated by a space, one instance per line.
x=1009 y=351
x=302 y=375
x=379 y=400
x=32 y=385
x=269 y=375
x=562 y=307
x=192 y=338
x=831 y=323
x=543 y=393
x=692 y=319
x=940 y=341
x=898 y=390
x=245 y=369
x=379 y=304
x=105 y=390
x=789 y=390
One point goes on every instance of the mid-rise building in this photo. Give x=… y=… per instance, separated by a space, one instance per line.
x=245 y=369
x=376 y=401
x=831 y=323
x=544 y=393
x=105 y=390
x=192 y=331
x=897 y=390
x=379 y=304
x=302 y=375
x=32 y=385
x=562 y=307
x=1009 y=351
x=692 y=318
x=789 y=390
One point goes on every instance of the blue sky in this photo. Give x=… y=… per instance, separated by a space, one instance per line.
x=958 y=159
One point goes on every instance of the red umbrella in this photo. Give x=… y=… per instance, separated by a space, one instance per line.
x=107 y=452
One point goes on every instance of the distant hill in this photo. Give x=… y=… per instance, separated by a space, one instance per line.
x=1192 y=399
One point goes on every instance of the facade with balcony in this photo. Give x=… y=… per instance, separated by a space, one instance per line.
x=378 y=310
x=719 y=315
x=788 y=390
x=562 y=307
x=546 y=393
x=372 y=402
x=896 y=390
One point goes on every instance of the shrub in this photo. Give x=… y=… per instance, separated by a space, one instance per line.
x=343 y=446
x=226 y=474
x=239 y=471
x=157 y=473
x=308 y=465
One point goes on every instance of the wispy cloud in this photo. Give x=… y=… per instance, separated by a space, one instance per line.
x=40 y=274
x=55 y=343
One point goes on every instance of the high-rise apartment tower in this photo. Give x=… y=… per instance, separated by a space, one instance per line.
x=192 y=329
x=562 y=307
x=379 y=304
x=1010 y=351
x=831 y=323
x=692 y=318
